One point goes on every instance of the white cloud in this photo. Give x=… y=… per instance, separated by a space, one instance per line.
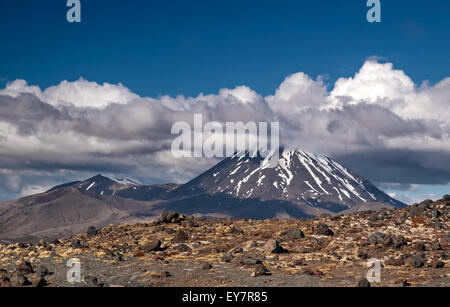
x=297 y=93
x=83 y=93
x=374 y=83
x=80 y=93
x=428 y=103
x=18 y=87
x=383 y=85
x=84 y=126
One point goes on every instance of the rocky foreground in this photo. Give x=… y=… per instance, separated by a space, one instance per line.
x=413 y=245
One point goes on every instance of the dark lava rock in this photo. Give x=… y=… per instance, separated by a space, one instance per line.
x=5 y=282
x=76 y=244
x=446 y=255
x=362 y=254
x=118 y=257
x=206 y=266
x=152 y=246
x=418 y=209
x=436 y=246
x=236 y=231
x=274 y=247
x=413 y=211
x=180 y=236
x=388 y=241
x=364 y=283
x=446 y=197
x=3 y=274
x=260 y=270
x=437 y=264
x=166 y=274
x=399 y=242
x=42 y=271
x=395 y=261
x=92 y=231
x=24 y=267
x=250 y=261
x=55 y=242
x=323 y=229
x=182 y=248
x=40 y=282
x=424 y=205
x=92 y=281
x=376 y=238
x=420 y=247
x=293 y=234
x=405 y=284
x=416 y=261
x=171 y=217
x=237 y=250
x=435 y=213
x=22 y=280
x=298 y=262
x=227 y=258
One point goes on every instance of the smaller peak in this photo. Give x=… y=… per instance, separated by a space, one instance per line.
x=98 y=177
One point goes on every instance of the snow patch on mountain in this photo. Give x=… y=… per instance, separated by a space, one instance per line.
x=302 y=177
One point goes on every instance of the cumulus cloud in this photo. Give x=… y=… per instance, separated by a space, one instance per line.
x=297 y=93
x=378 y=122
x=374 y=83
x=80 y=93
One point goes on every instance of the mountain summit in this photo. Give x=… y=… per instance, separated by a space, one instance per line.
x=305 y=182
x=126 y=188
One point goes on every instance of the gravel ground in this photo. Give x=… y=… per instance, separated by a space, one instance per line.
x=412 y=246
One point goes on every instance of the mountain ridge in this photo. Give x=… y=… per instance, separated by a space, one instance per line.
x=303 y=185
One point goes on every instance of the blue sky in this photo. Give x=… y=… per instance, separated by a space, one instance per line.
x=186 y=48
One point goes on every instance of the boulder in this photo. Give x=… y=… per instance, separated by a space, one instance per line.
x=376 y=238
x=274 y=247
x=24 y=267
x=437 y=264
x=364 y=283
x=324 y=230
x=92 y=231
x=152 y=246
x=171 y=217
x=293 y=234
x=416 y=261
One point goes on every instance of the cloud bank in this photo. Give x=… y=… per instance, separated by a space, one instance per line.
x=378 y=122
